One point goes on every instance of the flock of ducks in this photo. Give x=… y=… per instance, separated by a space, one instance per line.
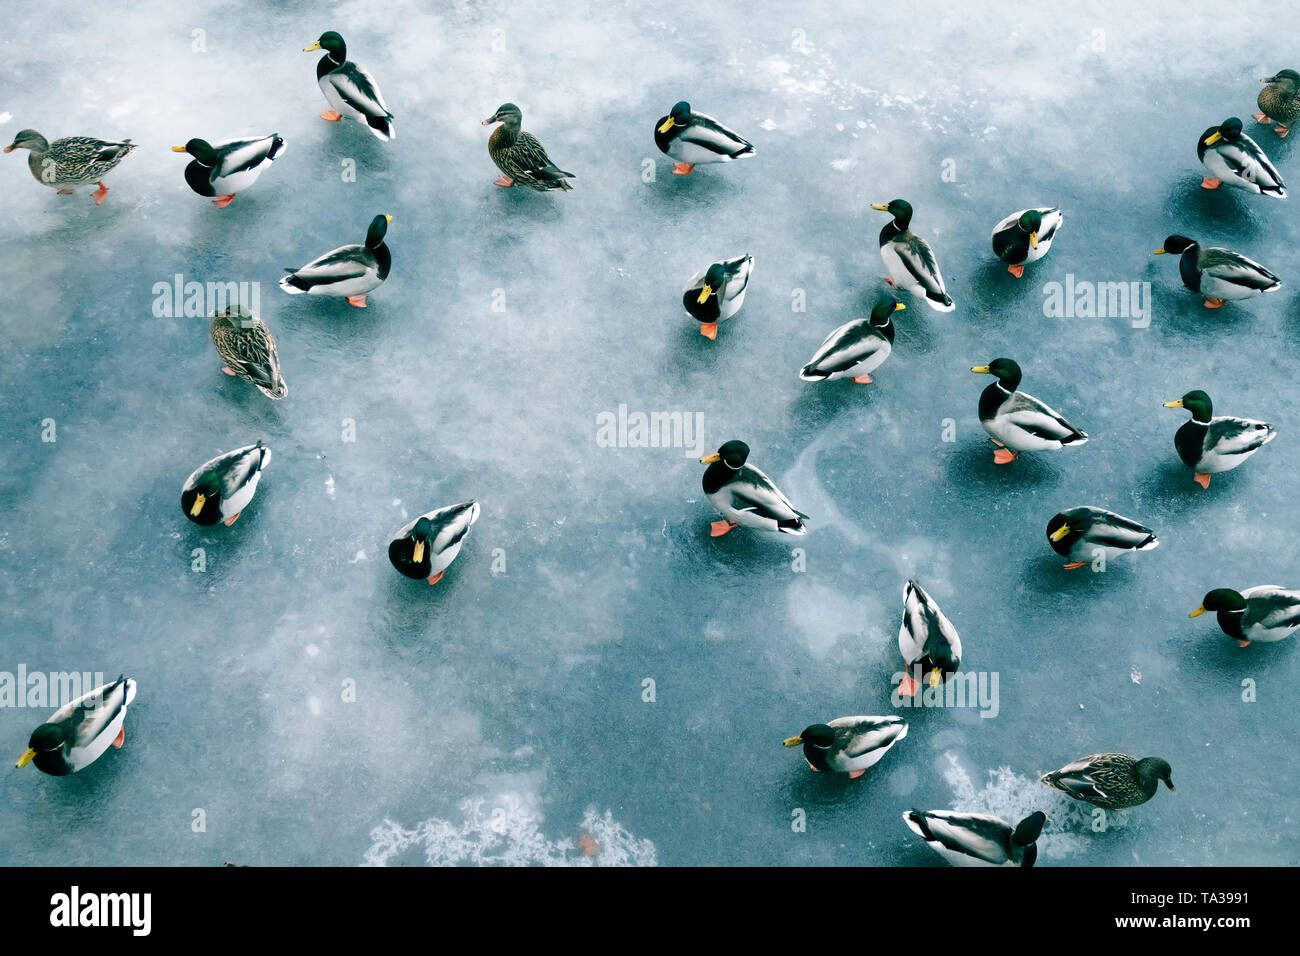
x=220 y=489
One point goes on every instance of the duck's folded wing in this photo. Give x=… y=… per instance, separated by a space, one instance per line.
x=1226 y=435
x=849 y=345
x=708 y=133
x=975 y=834
x=343 y=263
x=1274 y=610
x=753 y=491
x=89 y=715
x=453 y=524
x=918 y=258
x=243 y=465
x=1236 y=269
x=1116 y=531
x=241 y=155
x=529 y=157
x=856 y=736
x=1026 y=412
x=358 y=89
x=1262 y=171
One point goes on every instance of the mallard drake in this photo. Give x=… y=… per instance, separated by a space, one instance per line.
x=1218 y=274
x=350 y=271
x=519 y=155
x=909 y=258
x=246 y=345
x=716 y=293
x=229 y=167
x=350 y=90
x=978 y=839
x=1111 y=781
x=857 y=348
x=1025 y=237
x=1015 y=420
x=79 y=732
x=746 y=496
x=1280 y=99
x=849 y=744
x=1265 y=613
x=929 y=643
x=220 y=489
x=71 y=161
x=1234 y=158
x=693 y=139
x=427 y=546
x=1080 y=534
x=1209 y=445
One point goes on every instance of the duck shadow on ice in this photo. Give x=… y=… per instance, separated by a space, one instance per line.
x=971 y=466
x=999 y=298
x=1225 y=210
x=1169 y=486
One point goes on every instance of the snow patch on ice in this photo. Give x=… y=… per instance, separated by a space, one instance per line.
x=507 y=832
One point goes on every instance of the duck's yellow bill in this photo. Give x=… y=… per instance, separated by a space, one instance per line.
x=1198 y=612
x=1033 y=239
x=899 y=307
x=417 y=553
x=316 y=46
x=883 y=207
x=1214 y=138
x=1159 y=252
x=1060 y=532
x=178 y=149
x=704 y=293
x=388 y=218
x=981 y=369
x=1177 y=404
x=195 y=508
x=666 y=125
x=935 y=678
x=710 y=459
x=26 y=758
x=793 y=741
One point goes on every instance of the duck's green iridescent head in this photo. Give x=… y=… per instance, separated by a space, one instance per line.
x=28 y=139
x=900 y=209
x=1031 y=221
x=712 y=282
x=679 y=115
x=1221 y=599
x=1004 y=370
x=818 y=735
x=884 y=308
x=378 y=229
x=1229 y=129
x=332 y=44
x=200 y=149
x=733 y=454
x=45 y=738
x=1196 y=402
x=1175 y=244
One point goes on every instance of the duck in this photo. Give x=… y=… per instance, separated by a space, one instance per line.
x=1218 y=274
x=350 y=271
x=746 y=496
x=978 y=839
x=717 y=292
x=1280 y=99
x=1209 y=445
x=230 y=166
x=1111 y=781
x=71 y=161
x=246 y=345
x=519 y=155
x=857 y=348
x=929 y=643
x=909 y=258
x=849 y=745
x=1081 y=534
x=350 y=91
x=81 y=731
x=693 y=139
x=1016 y=421
x=221 y=488
x=425 y=547
x=1266 y=613
x=1232 y=157
x=1026 y=236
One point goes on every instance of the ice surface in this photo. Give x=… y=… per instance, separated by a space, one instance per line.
x=520 y=686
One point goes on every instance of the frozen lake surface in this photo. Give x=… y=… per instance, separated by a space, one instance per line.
x=318 y=708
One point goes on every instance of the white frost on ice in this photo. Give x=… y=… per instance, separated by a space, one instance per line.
x=507 y=832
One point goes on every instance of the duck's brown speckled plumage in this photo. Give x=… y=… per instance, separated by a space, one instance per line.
x=1110 y=780
x=73 y=160
x=245 y=344
x=1280 y=98
x=522 y=157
